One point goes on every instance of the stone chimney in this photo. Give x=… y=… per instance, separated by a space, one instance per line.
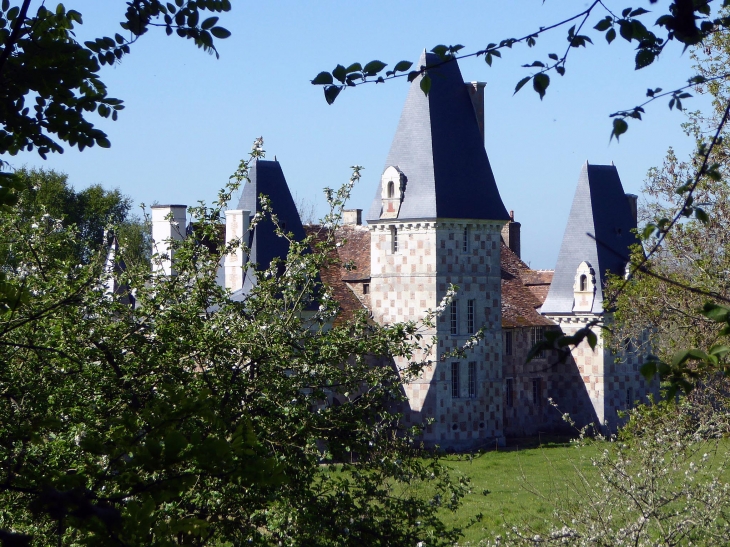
x=168 y=224
x=632 y=199
x=352 y=216
x=476 y=92
x=511 y=234
x=237 y=223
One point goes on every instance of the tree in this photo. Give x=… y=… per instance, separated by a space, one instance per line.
x=50 y=83
x=661 y=481
x=91 y=211
x=195 y=419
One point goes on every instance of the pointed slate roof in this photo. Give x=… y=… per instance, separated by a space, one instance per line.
x=439 y=148
x=267 y=178
x=598 y=231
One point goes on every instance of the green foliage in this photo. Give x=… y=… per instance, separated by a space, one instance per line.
x=46 y=194
x=688 y=22
x=50 y=83
x=662 y=481
x=193 y=418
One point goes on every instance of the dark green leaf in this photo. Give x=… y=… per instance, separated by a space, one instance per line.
x=715 y=312
x=644 y=58
x=521 y=83
x=402 y=66
x=323 y=78
x=619 y=128
x=340 y=73
x=553 y=56
x=611 y=35
x=354 y=67
x=540 y=83
x=331 y=92
x=209 y=23
x=220 y=33
x=425 y=84
x=603 y=24
x=373 y=67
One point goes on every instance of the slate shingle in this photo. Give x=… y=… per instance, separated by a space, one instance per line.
x=439 y=148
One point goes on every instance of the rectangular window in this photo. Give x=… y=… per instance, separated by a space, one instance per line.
x=537 y=335
x=629 y=398
x=508 y=342
x=509 y=392
x=537 y=391
x=366 y=288
x=470 y=316
x=393 y=239
x=465 y=242
x=472 y=380
x=454 y=318
x=455 y=380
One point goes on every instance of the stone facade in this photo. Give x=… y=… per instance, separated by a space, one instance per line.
x=412 y=275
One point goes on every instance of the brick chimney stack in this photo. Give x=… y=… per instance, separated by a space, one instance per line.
x=511 y=234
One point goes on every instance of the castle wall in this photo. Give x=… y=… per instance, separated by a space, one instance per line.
x=612 y=382
x=462 y=394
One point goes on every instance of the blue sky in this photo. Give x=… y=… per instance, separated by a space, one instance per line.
x=190 y=118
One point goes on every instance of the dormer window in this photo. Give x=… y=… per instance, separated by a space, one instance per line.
x=584 y=288
x=392 y=188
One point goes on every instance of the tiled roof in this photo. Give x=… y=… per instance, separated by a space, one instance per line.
x=519 y=287
x=355 y=251
x=439 y=148
x=599 y=231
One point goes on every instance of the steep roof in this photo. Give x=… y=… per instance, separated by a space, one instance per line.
x=439 y=148
x=598 y=232
x=267 y=178
x=350 y=262
x=519 y=301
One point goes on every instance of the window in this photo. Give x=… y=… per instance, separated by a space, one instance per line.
x=454 y=319
x=465 y=242
x=537 y=391
x=366 y=288
x=391 y=189
x=472 y=380
x=537 y=335
x=508 y=342
x=629 y=398
x=470 y=316
x=583 y=280
x=393 y=239
x=509 y=392
x=455 y=380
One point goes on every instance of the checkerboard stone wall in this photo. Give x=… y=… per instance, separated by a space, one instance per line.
x=404 y=284
x=611 y=382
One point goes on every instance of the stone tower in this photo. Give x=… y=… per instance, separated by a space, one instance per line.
x=596 y=243
x=435 y=221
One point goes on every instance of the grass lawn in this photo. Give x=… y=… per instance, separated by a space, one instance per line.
x=501 y=483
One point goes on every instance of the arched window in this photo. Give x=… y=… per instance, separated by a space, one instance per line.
x=391 y=189
x=583 y=281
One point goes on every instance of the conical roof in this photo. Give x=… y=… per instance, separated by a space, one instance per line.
x=439 y=149
x=267 y=178
x=599 y=232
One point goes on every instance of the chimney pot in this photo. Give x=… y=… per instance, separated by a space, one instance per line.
x=352 y=217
